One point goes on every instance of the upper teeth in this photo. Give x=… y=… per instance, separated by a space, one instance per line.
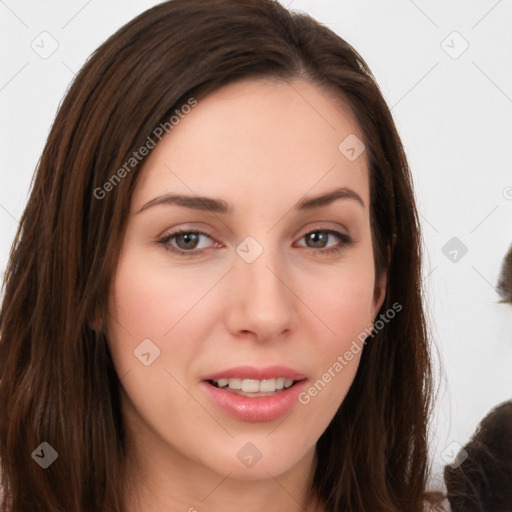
x=255 y=386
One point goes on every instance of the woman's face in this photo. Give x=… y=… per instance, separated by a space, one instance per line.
x=268 y=283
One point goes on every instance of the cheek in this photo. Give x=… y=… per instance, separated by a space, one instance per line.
x=143 y=307
x=344 y=305
x=349 y=321
x=147 y=305
x=345 y=308
x=148 y=301
x=165 y=305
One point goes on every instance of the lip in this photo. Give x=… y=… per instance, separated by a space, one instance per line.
x=251 y=372
x=255 y=409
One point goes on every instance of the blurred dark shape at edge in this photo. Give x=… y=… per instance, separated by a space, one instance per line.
x=504 y=287
x=483 y=482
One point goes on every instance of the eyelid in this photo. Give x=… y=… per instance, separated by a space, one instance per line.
x=165 y=240
x=318 y=226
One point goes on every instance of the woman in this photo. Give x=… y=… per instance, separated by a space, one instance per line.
x=214 y=298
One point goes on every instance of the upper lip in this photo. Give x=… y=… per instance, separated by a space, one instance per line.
x=251 y=372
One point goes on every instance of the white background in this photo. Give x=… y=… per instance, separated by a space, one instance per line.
x=455 y=119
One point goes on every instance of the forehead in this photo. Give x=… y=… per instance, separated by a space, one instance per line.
x=258 y=139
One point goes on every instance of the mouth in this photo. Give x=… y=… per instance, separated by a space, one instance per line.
x=255 y=394
x=253 y=387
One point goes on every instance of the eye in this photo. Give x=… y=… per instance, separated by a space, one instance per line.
x=188 y=243
x=185 y=242
x=317 y=240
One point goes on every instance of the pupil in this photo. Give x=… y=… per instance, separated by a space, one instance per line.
x=189 y=238
x=318 y=238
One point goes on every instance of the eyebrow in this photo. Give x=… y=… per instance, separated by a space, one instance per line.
x=221 y=206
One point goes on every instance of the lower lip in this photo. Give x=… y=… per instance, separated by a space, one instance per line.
x=262 y=408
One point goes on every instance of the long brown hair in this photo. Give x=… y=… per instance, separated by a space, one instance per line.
x=58 y=384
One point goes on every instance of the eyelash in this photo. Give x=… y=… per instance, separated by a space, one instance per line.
x=345 y=240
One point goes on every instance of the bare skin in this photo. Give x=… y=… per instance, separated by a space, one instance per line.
x=261 y=147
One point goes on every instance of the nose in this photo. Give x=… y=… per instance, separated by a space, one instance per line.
x=262 y=301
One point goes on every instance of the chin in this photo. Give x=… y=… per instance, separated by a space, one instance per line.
x=262 y=458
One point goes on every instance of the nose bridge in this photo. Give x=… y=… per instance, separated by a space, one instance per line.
x=263 y=304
